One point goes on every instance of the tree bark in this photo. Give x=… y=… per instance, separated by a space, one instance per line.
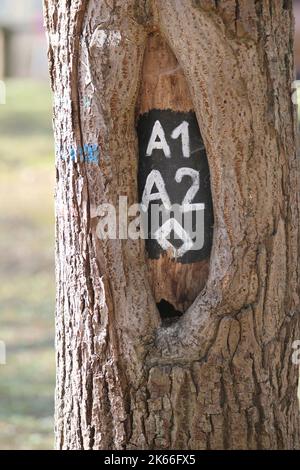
x=220 y=377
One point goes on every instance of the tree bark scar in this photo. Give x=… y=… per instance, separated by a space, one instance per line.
x=173 y=181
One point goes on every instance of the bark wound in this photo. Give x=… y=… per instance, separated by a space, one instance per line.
x=173 y=170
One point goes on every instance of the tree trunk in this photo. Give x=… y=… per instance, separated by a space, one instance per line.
x=220 y=376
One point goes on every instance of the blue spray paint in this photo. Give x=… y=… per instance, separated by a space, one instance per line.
x=90 y=153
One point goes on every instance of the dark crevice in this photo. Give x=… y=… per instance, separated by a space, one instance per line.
x=237 y=10
x=286 y=4
x=168 y=313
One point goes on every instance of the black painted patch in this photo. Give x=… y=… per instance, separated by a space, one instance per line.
x=174 y=162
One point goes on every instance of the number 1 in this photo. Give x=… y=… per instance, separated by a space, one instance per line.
x=183 y=130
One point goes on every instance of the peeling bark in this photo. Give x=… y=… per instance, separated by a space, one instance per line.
x=221 y=377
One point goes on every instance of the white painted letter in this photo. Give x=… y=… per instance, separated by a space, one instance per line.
x=158 y=132
x=155 y=178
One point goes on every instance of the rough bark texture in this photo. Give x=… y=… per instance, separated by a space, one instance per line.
x=221 y=376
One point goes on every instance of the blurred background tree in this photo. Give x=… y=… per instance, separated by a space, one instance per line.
x=27 y=230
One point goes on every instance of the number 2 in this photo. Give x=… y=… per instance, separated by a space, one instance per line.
x=192 y=191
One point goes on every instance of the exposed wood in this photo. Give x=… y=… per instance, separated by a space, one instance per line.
x=221 y=377
x=163 y=86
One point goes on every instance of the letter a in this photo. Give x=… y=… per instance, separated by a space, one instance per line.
x=155 y=179
x=161 y=144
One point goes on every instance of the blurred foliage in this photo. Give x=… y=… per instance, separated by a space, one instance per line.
x=26 y=268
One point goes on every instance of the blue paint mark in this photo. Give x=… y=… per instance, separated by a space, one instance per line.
x=72 y=155
x=90 y=153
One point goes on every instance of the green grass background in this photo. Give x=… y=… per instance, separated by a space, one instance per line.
x=27 y=267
